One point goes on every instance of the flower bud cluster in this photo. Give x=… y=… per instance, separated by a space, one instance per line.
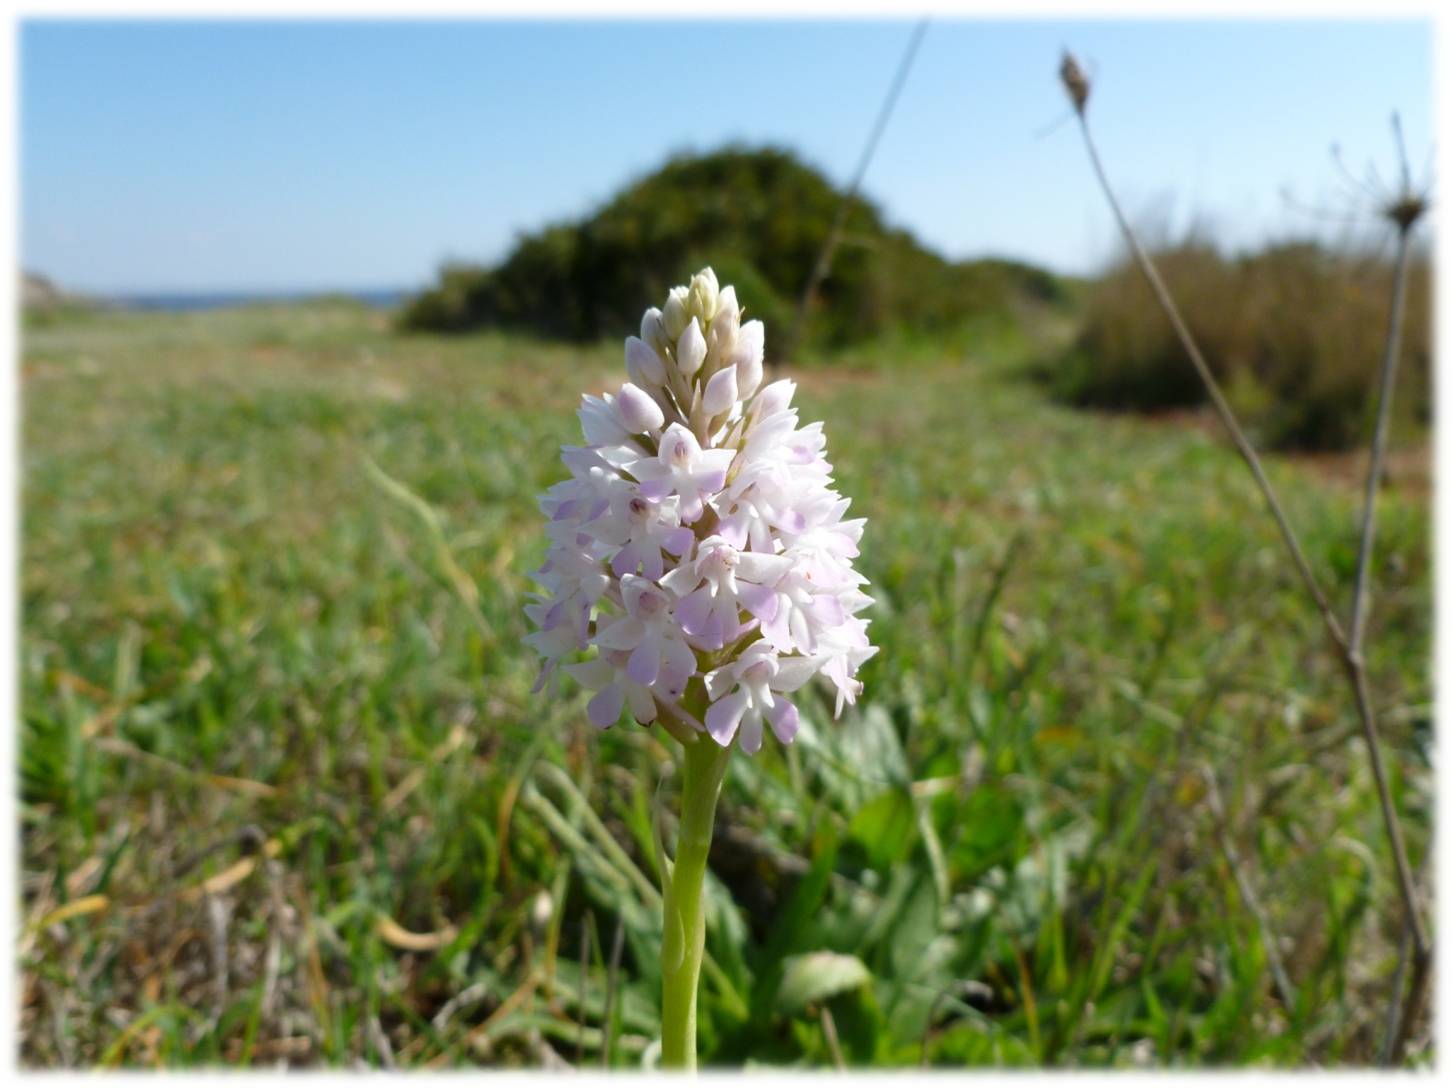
x=698 y=551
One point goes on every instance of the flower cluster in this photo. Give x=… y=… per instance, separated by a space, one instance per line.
x=698 y=547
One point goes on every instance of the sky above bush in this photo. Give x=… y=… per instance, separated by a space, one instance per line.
x=254 y=155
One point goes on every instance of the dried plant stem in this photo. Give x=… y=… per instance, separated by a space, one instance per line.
x=1421 y=942
x=617 y=945
x=1394 y=1009
x=823 y=263
x=1412 y=1005
x=1348 y=647
x=1378 y=442
x=834 y=1044
x=584 y=989
x=1268 y=939
x=1415 y=935
x=1217 y=398
x=1395 y=1039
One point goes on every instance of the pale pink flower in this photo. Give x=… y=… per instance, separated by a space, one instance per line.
x=698 y=550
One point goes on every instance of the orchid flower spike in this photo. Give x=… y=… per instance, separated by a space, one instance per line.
x=700 y=562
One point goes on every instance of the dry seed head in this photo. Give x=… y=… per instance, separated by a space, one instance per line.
x=1405 y=211
x=1075 y=81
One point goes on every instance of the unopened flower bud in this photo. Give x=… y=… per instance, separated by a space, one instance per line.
x=674 y=316
x=690 y=349
x=637 y=410
x=747 y=355
x=652 y=331
x=720 y=393
x=726 y=323
x=776 y=397
x=642 y=363
x=703 y=295
x=638 y=376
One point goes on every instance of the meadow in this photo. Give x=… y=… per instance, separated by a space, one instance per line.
x=286 y=797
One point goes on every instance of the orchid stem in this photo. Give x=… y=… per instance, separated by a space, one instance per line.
x=684 y=940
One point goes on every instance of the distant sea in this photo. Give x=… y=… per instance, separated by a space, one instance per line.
x=180 y=302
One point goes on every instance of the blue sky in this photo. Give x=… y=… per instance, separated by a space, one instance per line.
x=299 y=155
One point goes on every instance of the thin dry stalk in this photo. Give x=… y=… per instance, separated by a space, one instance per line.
x=1395 y=1040
x=1404 y=211
x=1359 y=601
x=823 y=264
x=1268 y=939
x=834 y=1044
x=1078 y=87
x=617 y=945
x=584 y=988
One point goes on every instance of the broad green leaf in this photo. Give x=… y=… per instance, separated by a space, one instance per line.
x=884 y=827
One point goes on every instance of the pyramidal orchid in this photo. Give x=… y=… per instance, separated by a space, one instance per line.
x=699 y=574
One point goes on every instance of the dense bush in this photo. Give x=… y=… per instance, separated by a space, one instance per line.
x=1294 y=332
x=759 y=217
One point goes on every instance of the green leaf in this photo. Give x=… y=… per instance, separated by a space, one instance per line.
x=796 y=924
x=884 y=827
x=856 y=758
x=816 y=976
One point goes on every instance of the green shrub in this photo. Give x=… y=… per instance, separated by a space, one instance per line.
x=1126 y=355
x=760 y=218
x=1313 y=334
x=1295 y=333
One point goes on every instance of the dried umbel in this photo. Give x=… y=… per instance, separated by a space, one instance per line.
x=699 y=554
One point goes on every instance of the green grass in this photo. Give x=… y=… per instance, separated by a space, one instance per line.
x=233 y=635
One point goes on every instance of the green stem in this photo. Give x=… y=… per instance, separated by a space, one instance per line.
x=684 y=941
